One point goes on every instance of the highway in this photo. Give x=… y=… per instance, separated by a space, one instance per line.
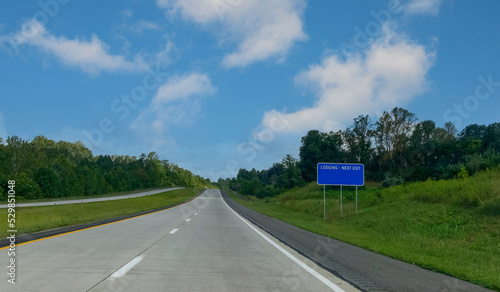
x=200 y=246
x=112 y=198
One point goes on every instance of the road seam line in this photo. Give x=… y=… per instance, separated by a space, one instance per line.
x=127 y=267
x=141 y=254
x=289 y=255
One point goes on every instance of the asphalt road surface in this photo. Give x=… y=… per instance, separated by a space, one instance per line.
x=200 y=246
x=64 y=202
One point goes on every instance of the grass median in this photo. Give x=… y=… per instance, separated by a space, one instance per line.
x=20 y=199
x=451 y=227
x=34 y=219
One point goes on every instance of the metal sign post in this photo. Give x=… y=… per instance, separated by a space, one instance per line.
x=340 y=174
x=356 y=199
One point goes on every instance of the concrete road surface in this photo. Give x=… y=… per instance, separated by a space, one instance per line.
x=199 y=246
x=64 y=202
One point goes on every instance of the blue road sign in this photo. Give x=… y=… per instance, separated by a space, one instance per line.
x=341 y=174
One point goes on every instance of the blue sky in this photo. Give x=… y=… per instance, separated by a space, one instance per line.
x=218 y=85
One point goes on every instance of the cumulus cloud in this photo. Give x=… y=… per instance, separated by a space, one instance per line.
x=91 y=56
x=390 y=72
x=182 y=88
x=178 y=101
x=261 y=29
x=423 y=7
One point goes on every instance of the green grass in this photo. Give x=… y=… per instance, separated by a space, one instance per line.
x=451 y=226
x=33 y=219
x=20 y=199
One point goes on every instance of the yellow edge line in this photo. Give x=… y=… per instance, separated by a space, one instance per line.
x=69 y=232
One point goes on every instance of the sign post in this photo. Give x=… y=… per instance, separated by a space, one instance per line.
x=340 y=174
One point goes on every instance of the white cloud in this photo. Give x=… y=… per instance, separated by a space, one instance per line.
x=127 y=13
x=178 y=101
x=3 y=131
x=144 y=25
x=389 y=73
x=139 y=27
x=182 y=88
x=262 y=29
x=423 y=7
x=90 y=56
x=165 y=53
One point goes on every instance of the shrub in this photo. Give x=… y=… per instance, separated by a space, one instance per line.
x=479 y=162
x=27 y=188
x=48 y=181
x=451 y=171
x=392 y=180
x=269 y=191
x=463 y=174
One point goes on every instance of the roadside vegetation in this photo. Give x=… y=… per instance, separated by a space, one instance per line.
x=449 y=226
x=395 y=149
x=34 y=219
x=43 y=168
x=433 y=196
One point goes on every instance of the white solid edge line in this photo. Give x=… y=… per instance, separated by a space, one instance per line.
x=289 y=255
x=123 y=270
x=174 y=231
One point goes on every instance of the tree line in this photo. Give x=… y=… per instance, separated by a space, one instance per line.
x=43 y=168
x=395 y=149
